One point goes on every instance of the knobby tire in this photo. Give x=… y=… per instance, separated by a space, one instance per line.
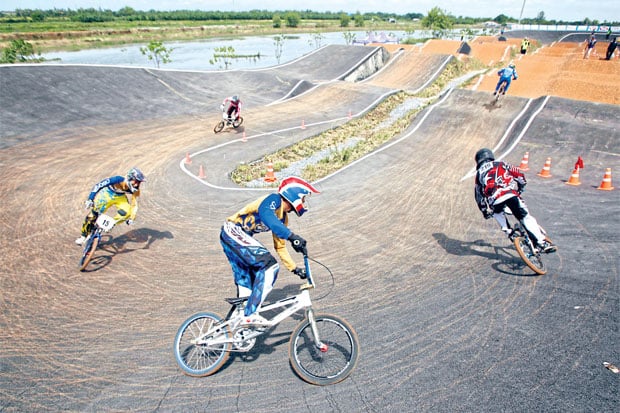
x=500 y=92
x=329 y=367
x=200 y=360
x=89 y=251
x=218 y=128
x=533 y=261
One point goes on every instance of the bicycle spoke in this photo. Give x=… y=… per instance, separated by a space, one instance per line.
x=331 y=363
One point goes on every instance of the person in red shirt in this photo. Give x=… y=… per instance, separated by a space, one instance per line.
x=499 y=185
x=232 y=105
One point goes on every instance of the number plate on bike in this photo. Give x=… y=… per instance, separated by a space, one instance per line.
x=106 y=222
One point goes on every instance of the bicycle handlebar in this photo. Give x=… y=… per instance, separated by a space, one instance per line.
x=307 y=266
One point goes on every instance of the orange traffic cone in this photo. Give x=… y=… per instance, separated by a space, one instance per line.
x=188 y=160
x=524 y=162
x=546 y=170
x=270 y=177
x=303 y=124
x=201 y=173
x=243 y=138
x=574 y=178
x=606 y=183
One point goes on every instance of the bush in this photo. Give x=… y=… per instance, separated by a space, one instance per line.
x=19 y=51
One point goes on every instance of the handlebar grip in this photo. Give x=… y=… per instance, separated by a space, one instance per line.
x=297 y=243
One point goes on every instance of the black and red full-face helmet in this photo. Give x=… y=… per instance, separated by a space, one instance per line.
x=484 y=155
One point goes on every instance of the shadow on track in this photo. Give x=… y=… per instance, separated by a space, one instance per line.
x=507 y=262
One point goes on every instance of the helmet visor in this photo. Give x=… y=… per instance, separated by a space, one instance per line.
x=134 y=184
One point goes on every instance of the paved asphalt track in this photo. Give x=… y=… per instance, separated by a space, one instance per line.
x=448 y=318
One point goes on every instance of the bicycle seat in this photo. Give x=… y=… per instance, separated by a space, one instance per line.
x=236 y=300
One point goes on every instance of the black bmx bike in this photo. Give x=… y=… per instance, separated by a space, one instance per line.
x=104 y=223
x=500 y=93
x=525 y=245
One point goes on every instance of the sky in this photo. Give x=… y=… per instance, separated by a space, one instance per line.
x=566 y=10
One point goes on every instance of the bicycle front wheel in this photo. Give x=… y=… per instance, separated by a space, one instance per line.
x=531 y=259
x=334 y=360
x=218 y=128
x=194 y=353
x=89 y=251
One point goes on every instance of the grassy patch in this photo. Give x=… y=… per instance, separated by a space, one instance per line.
x=365 y=134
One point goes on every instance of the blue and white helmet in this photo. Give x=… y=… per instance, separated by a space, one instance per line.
x=134 y=178
x=295 y=190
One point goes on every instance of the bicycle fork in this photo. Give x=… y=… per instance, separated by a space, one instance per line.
x=315 y=332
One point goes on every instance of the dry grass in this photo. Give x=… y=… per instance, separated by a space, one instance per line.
x=353 y=140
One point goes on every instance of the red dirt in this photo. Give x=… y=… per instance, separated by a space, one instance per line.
x=558 y=69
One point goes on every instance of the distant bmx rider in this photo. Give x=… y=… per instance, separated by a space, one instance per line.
x=499 y=185
x=506 y=75
x=118 y=191
x=231 y=105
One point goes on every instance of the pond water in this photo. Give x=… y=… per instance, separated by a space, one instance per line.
x=197 y=55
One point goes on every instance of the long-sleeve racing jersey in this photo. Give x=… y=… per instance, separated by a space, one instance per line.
x=496 y=182
x=267 y=214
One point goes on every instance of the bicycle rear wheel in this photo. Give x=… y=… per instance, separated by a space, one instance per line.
x=500 y=93
x=89 y=251
x=531 y=259
x=199 y=358
x=237 y=122
x=330 y=364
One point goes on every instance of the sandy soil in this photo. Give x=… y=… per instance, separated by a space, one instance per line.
x=557 y=69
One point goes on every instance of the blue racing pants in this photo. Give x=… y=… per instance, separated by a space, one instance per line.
x=502 y=79
x=254 y=268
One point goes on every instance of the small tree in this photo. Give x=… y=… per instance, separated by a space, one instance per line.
x=359 y=20
x=349 y=37
x=225 y=54
x=345 y=19
x=438 y=21
x=18 y=51
x=292 y=19
x=316 y=40
x=278 y=42
x=158 y=52
x=277 y=21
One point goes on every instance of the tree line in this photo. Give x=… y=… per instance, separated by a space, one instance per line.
x=129 y=14
x=87 y=15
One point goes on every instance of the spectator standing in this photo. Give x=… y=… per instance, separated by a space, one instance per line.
x=611 y=48
x=525 y=44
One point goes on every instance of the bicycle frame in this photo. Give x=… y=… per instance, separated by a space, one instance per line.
x=519 y=230
x=290 y=306
x=205 y=340
x=104 y=223
x=523 y=242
